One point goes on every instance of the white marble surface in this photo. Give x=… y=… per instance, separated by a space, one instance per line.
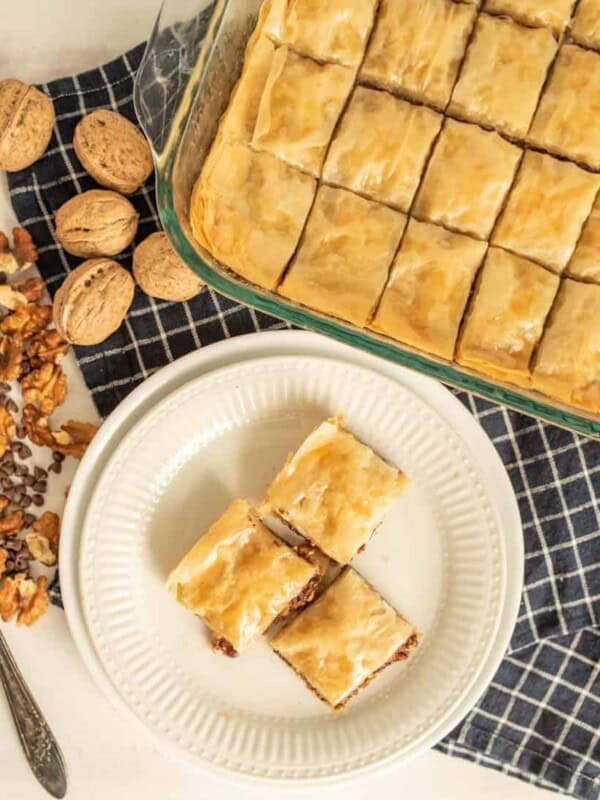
x=107 y=755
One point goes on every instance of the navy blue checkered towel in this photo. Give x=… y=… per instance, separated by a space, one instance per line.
x=540 y=718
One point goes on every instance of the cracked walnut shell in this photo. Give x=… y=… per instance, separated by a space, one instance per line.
x=160 y=272
x=113 y=151
x=96 y=223
x=93 y=301
x=26 y=122
x=46 y=387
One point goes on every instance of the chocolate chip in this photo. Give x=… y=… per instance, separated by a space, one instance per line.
x=40 y=486
x=28 y=519
x=28 y=480
x=6 y=483
x=24 y=502
x=21 y=432
x=12 y=545
x=58 y=457
x=21 y=470
x=3 y=277
x=21 y=450
x=55 y=467
x=4 y=387
x=11 y=406
x=38 y=500
x=39 y=473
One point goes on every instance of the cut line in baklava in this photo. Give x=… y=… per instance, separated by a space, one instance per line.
x=239 y=578
x=334 y=491
x=339 y=643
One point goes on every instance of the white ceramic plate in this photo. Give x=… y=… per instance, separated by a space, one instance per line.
x=226 y=434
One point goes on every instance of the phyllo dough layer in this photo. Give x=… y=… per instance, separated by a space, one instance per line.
x=506 y=317
x=428 y=289
x=546 y=209
x=301 y=103
x=248 y=209
x=344 y=255
x=503 y=74
x=239 y=577
x=417 y=47
x=334 y=490
x=568 y=361
x=467 y=179
x=335 y=30
x=381 y=147
x=344 y=638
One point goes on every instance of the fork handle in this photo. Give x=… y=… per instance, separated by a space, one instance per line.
x=40 y=746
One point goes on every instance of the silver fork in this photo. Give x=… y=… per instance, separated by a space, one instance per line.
x=40 y=746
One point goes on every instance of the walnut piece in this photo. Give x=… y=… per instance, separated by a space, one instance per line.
x=11 y=355
x=34 y=602
x=40 y=550
x=46 y=386
x=27 y=319
x=43 y=542
x=24 y=250
x=46 y=347
x=3 y=560
x=22 y=255
x=23 y=597
x=11 y=524
x=31 y=289
x=9 y=597
x=36 y=426
x=71 y=440
x=8 y=430
x=11 y=298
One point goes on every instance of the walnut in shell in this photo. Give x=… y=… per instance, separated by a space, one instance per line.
x=26 y=121
x=93 y=301
x=96 y=223
x=160 y=272
x=113 y=151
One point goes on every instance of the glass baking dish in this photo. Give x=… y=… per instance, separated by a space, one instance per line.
x=192 y=61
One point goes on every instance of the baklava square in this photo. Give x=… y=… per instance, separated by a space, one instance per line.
x=239 y=119
x=417 y=46
x=239 y=577
x=428 y=288
x=506 y=316
x=585 y=263
x=546 y=209
x=503 y=73
x=567 y=121
x=381 y=147
x=586 y=25
x=344 y=256
x=467 y=179
x=248 y=209
x=552 y=14
x=340 y=643
x=333 y=31
x=567 y=366
x=300 y=106
x=334 y=491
